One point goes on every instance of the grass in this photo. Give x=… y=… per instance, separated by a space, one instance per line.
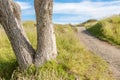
x=73 y=61
x=87 y=23
x=107 y=29
x=7 y=58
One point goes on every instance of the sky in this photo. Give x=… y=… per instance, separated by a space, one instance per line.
x=73 y=11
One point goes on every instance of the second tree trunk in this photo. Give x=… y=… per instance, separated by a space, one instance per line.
x=46 y=42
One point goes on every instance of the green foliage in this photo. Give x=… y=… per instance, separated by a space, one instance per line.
x=73 y=61
x=88 y=22
x=80 y=62
x=7 y=58
x=96 y=30
x=29 y=24
x=50 y=71
x=31 y=33
x=107 y=29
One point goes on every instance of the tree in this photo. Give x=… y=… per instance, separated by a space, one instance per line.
x=46 y=44
x=11 y=22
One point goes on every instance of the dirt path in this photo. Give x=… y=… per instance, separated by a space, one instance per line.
x=110 y=53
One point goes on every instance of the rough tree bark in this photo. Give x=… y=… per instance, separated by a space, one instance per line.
x=46 y=42
x=11 y=22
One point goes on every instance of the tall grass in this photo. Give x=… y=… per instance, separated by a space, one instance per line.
x=7 y=58
x=73 y=61
x=107 y=29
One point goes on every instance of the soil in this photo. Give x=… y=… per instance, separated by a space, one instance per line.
x=103 y=49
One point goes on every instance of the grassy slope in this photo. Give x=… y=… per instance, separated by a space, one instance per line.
x=73 y=60
x=86 y=23
x=107 y=29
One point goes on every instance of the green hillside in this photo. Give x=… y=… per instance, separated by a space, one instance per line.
x=106 y=29
x=73 y=61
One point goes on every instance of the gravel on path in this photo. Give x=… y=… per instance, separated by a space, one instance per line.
x=107 y=51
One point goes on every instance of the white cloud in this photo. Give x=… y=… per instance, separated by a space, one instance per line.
x=24 y=5
x=87 y=8
x=70 y=19
x=77 y=12
x=27 y=8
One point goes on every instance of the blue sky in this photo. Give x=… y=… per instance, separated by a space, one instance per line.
x=74 y=11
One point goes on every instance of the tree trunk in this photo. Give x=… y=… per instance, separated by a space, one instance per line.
x=11 y=22
x=46 y=42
